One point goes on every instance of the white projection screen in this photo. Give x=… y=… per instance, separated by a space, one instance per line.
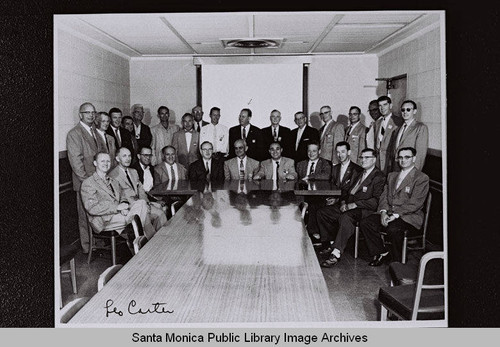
x=259 y=87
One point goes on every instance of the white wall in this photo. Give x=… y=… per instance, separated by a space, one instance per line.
x=420 y=60
x=85 y=72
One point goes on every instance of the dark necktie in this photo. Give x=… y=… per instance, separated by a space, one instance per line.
x=358 y=184
x=129 y=180
x=107 y=144
x=198 y=126
x=92 y=132
x=244 y=136
x=172 y=172
x=242 y=170
x=383 y=129
x=118 y=140
x=348 y=133
x=277 y=168
x=275 y=135
x=402 y=133
x=311 y=169
x=207 y=168
x=108 y=183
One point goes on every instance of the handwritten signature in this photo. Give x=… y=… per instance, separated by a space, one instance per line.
x=156 y=307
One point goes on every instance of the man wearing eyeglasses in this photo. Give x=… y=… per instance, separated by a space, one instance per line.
x=144 y=168
x=207 y=169
x=338 y=221
x=331 y=133
x=384 y=128
x=82 y=146
x=411 y=134
x=301 y=137
x=355 y=134
x=142 y=132
x=400 y=208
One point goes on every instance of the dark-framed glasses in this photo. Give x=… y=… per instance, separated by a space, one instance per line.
x=89 y=112
x=405 y=157
x=366 y=157
x=406 y=109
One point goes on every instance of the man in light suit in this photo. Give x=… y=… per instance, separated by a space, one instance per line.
x=198 y=123
x=186 y=142
x=384 y=127
x=375 y=114
x=301 y=137
x=169 y=169
x=207 y=169
x=163 y=134
x=411 y=134
x=277 y=133
x=82 y=146
x=132 y=188
x=278 y=167
x=315 y=168
x=106 y=205
x=337 y=222
x=355 y=134
x=400 y=208
x=242 y=167
x=247 y=132
x=331 y=133
x=106 y=142
x=142 y=132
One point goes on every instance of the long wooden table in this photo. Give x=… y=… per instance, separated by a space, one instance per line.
x=224 y=257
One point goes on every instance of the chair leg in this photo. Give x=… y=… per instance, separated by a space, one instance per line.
x=73 y=275
x=113 y=249
x=356 y=242
x=383 y=313
x=403 y=253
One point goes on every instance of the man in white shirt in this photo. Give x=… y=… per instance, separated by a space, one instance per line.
x=106 y=142
x=144 y=168
x=375 y=114
x=355 y=134
x=215 y=133
x=197 y=113
x=186 y=142
x=142 y=132
x=384 y=127
x=331 y=133
x=278 y=167
x=240 y=167
x=162 y=134
x=169 y=169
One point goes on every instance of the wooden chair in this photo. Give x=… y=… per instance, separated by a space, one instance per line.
x=139 y=243
x=107 y=275
x=72 y=308
x=423 y=300
x=68 y=253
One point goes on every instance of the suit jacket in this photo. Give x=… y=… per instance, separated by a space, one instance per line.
x=254 y=141
x=416 y=135
x=110 y=147
x=232 y=168
x=333 y=134
x=186 y=154
x=284 y=138
x=81 y=148
x=197 y=171
x=308 y=136
x=160 y=173
x=145 y=136
x=266 y=168
x=131 y=192
x=408 y=199
x=384 y=148
x=140 y=171
x=348 y=180
x=126 y=138
x=99 y=201
x=367 y=195
x=322 y=171
x=357 y=141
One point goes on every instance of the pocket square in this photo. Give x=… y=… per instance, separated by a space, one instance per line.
x=407 y=189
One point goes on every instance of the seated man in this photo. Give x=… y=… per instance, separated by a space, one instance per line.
x=107 y=206
x=241 y=167
x=169 y=169
x=207 y=169
x=132 y=187
x=144 y=168
x=278 y=167
x=342 y=216
x=315 y=168
x=400 y=208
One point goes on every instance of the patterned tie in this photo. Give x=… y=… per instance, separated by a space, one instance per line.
x=402 y=133
x=358 y=184
x=348 y=133
x=311 y=169
x=207 y=168
x=129 y=180
x=275 y=135
x=118 y=139
x=242 y=170
x=172 y=172
x=244 y=137
x=107 y=144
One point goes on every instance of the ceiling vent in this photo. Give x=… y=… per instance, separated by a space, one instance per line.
x=251 y=43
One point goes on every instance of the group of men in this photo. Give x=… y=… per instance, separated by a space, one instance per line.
x=117 y=160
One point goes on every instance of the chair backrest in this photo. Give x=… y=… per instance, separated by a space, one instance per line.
x=71 y=308
x=421 y=286
x=107 y=275
x=139 y=243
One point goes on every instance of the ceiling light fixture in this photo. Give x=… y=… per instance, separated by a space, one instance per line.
x=252 y=43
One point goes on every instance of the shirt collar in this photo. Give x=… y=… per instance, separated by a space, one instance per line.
x=89 y=129
x=346 y=163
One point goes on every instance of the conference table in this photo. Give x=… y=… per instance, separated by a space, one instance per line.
x=236 y=252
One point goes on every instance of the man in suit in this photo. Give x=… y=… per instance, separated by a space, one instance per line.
x=197 y=113
x=375 y=114
x=144 y=168
x=240 y=167
x=331 y=133
x=132 y=188
x=207 y=169
x=355 y=134
x=400 y=208
x=301 y=137
x=361 y=201
x=142 y=132
x=217 y=134
x=315 y=168
x=169 y=169
x=384 y=127
x=278 y=167
x=249 y=133
x=81 y=144
x=163 y=134
x=186 y=142
x=122 y=137
x=106 y=204
x=128 y=125
x=411 y=134
x=106 y=142
x=277 y=133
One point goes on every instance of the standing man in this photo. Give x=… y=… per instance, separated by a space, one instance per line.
x=141 y=131
x=384 y=127
x=400 y=208
x=207 y=169
x=315 y=168
x=197 y=113
x=355 y=134
x=144 y=168
x=412 y=134
x=341 y=217
x=82 y=146
x=217 y=134
x=331 y=133
x=247 y=132
x=186 y=142
x=301 y=137
x=278 y=167
x=106 y=143
x=128 y=125
x=162 y=134
x=122 y=137
x=169 y=169
x=277 y=133
x=375 y=114
x=240 y=167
